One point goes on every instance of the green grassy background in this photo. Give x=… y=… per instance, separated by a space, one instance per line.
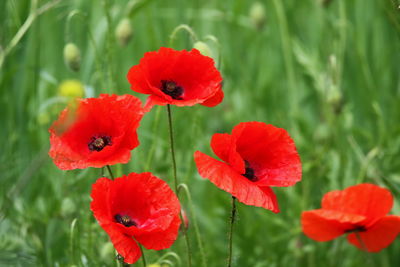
x=328 y=73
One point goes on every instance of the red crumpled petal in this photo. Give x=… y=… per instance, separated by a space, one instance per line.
x=379 y=236
x=230 y=181
x=372 y=201
x=214 y=100
x=160 y=240
x=271 y=152
x=224 y=147
x=125 y=245
x=325 y=225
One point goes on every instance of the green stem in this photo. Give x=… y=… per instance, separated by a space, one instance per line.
x=195 y=225
x=143 y=257
x=109 y=170
x=171 y=139
x=233 y=215
x=181 y=27
x=364 y=247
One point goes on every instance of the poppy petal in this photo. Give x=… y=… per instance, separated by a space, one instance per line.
x=325 y=225
x=270 y=151
x=369 y=200
x=160 y=240
x=224 y=147
x=100 y=194
x=126 y=246
x=214 y=100
x=379 y=236
x=227 y=179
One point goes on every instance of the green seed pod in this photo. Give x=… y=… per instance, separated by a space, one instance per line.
x=124 y=32
x=72 y=57
x=203 y=48
x=257 y=15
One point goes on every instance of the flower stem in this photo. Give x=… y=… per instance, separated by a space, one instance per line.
x=143 y=257
x=195 y=226
x=233 y=215
x=171 y=139
x=364 y=247
x=109 y=170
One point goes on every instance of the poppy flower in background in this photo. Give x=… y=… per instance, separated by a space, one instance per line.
x=181 y=78
x=357 y=210
x=95 y=132
x=255 y=157
x=138 y=208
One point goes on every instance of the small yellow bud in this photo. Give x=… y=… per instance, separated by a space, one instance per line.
x=71 y=88
x=153 y=265
x=124 y=32
x=72 y=56
x=203 y=48
x=257 y=15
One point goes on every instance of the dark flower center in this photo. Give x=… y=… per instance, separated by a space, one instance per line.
x=356 y=229
x=172 y=89
x=97 y=143
x=125 y=220
x=249 y=172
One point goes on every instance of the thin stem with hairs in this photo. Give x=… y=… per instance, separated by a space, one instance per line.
x=143 y=257
x=233 y=215
x=110 y=172
x=171 y=139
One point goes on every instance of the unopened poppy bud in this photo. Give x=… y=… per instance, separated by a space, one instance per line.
x=71 y=89
x=257 y=15
x=72 y=56
x=67 y=207
x=185 y=219
x=124 y=32
x=154 y=265
x=203 y=48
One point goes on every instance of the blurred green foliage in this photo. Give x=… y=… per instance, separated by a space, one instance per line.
x=328 y=71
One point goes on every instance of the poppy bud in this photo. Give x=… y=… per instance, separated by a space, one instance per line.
x=124 y=32
x=257 y=15
x=203 y=48
x=71 y=89
x=185 y=219
x=154 y=265
x=67 y=207
x=72 y=56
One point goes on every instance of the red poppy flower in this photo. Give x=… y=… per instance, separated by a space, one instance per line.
x=360 y=209
x=138 y=208
x=95 y=132
x=256 y=156
x=182 y=78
